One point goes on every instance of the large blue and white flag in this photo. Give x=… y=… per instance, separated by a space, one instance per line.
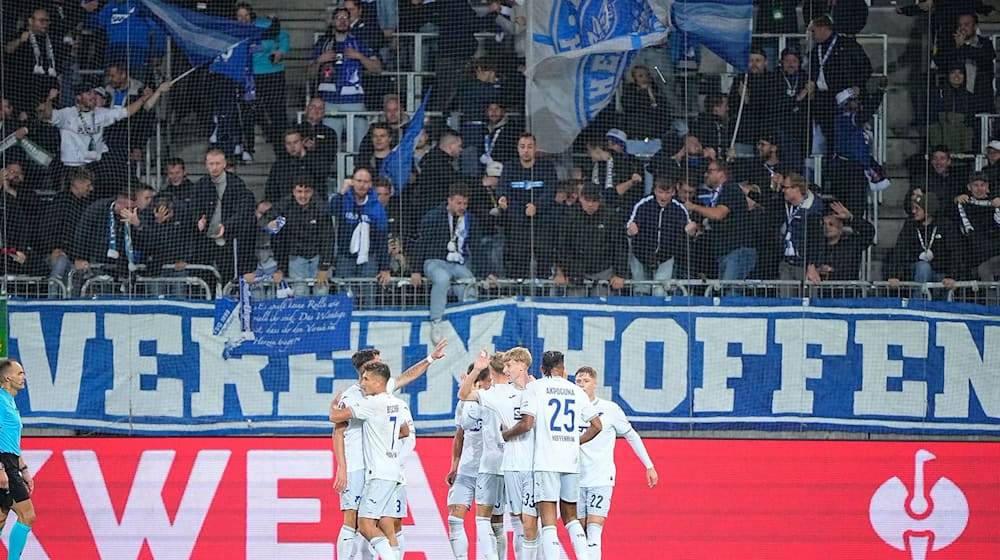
x=581 y=49
x=724 y=26
x=222 y=43
x=398 y=164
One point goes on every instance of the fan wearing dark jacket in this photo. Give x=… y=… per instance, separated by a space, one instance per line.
x=591 y=244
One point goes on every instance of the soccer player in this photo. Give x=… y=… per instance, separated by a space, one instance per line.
x=489 y=480
x=16 y=484
x=557 y=405
x=467 y=451
x=350 y=476
x=385 y=420
x=409 y=444
x=518 y=458
x=597 y=461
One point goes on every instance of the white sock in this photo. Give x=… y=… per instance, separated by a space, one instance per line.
x=400 y=542
x=531 y=550
x=345 y=542
x=364 y=549
x=382 y=548
x=501 y=535
x=486 y=542
x=550 y=542
x=397 y=551
x=515 y=523
x=594 y=531
x=458 y=538
x=578 y=538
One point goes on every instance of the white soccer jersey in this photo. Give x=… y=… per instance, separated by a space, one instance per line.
x=381 y=417
x=469 y=417
x=491 y=401
x=409 y=443
x=80 y=130
x=353 y=452
x=518 y=452
x=597 y=456
x=558 y=407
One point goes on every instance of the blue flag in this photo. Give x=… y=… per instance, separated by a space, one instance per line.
x=398 y=164
x=578 y=53
x=724 y=26
x=223 y=43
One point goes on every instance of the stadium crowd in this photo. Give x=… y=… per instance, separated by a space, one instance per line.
x=727 y=195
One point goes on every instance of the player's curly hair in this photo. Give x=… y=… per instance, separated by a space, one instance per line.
x=552 y=359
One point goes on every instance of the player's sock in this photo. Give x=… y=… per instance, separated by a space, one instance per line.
x=382 y=548
x=531 y=550
x=515 y=523
x=501 y=535
x=486 y=541
x=401 y=542
x=578 y=538
x=18 y=538
x=365 y=550
x=397 y=551
x=345 y=542
x=594 y=531
x=550 y=542
x=459 y=540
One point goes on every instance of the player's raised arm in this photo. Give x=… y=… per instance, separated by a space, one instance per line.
x=418 y=369
x=467 y=390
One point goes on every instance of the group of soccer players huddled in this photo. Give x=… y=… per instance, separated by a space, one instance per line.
x=540 y=449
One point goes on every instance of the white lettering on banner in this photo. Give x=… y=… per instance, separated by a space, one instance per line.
x=427 y=534
x=36 y=459
x=302 y=397
x=599 y=88
x=794 y=336
x=216 y=373
x=265 y=510
x=632 y=382
x=716 y=334
x=875 y=338
x=127 y=397
x=597 y=332
x=605 y=62
x=965 y=367
x=438 y=396
x=145 y=517
x=48 y=392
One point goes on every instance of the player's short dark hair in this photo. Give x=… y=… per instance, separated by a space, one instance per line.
x=551 y=359
x=362 y=357
x=378 y=368
x=588 y=371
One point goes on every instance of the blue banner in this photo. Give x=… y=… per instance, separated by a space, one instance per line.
x=724 y=26
x=153 y=367
x=284 y=326
x=399 y=163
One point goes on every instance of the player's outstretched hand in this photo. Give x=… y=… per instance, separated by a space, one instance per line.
x=438 y=352
x=651 y=477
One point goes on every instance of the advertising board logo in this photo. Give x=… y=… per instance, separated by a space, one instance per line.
x=919 y=521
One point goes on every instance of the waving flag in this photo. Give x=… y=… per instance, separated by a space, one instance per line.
x=222 y=43
x=724 y=26
x=397 y=165
x=580 y=49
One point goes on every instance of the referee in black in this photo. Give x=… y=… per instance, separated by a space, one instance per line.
x=16 y=483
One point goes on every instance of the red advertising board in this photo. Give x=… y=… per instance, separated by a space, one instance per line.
x=212 y=498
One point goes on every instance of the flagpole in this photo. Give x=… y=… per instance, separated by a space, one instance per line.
x=183 y=75
x=739 y=114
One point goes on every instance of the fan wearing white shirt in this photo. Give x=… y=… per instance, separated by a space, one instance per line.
x=383 y=419
x=597 y=461
x=557 y=404
x=467 y=452
x=347 y=447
